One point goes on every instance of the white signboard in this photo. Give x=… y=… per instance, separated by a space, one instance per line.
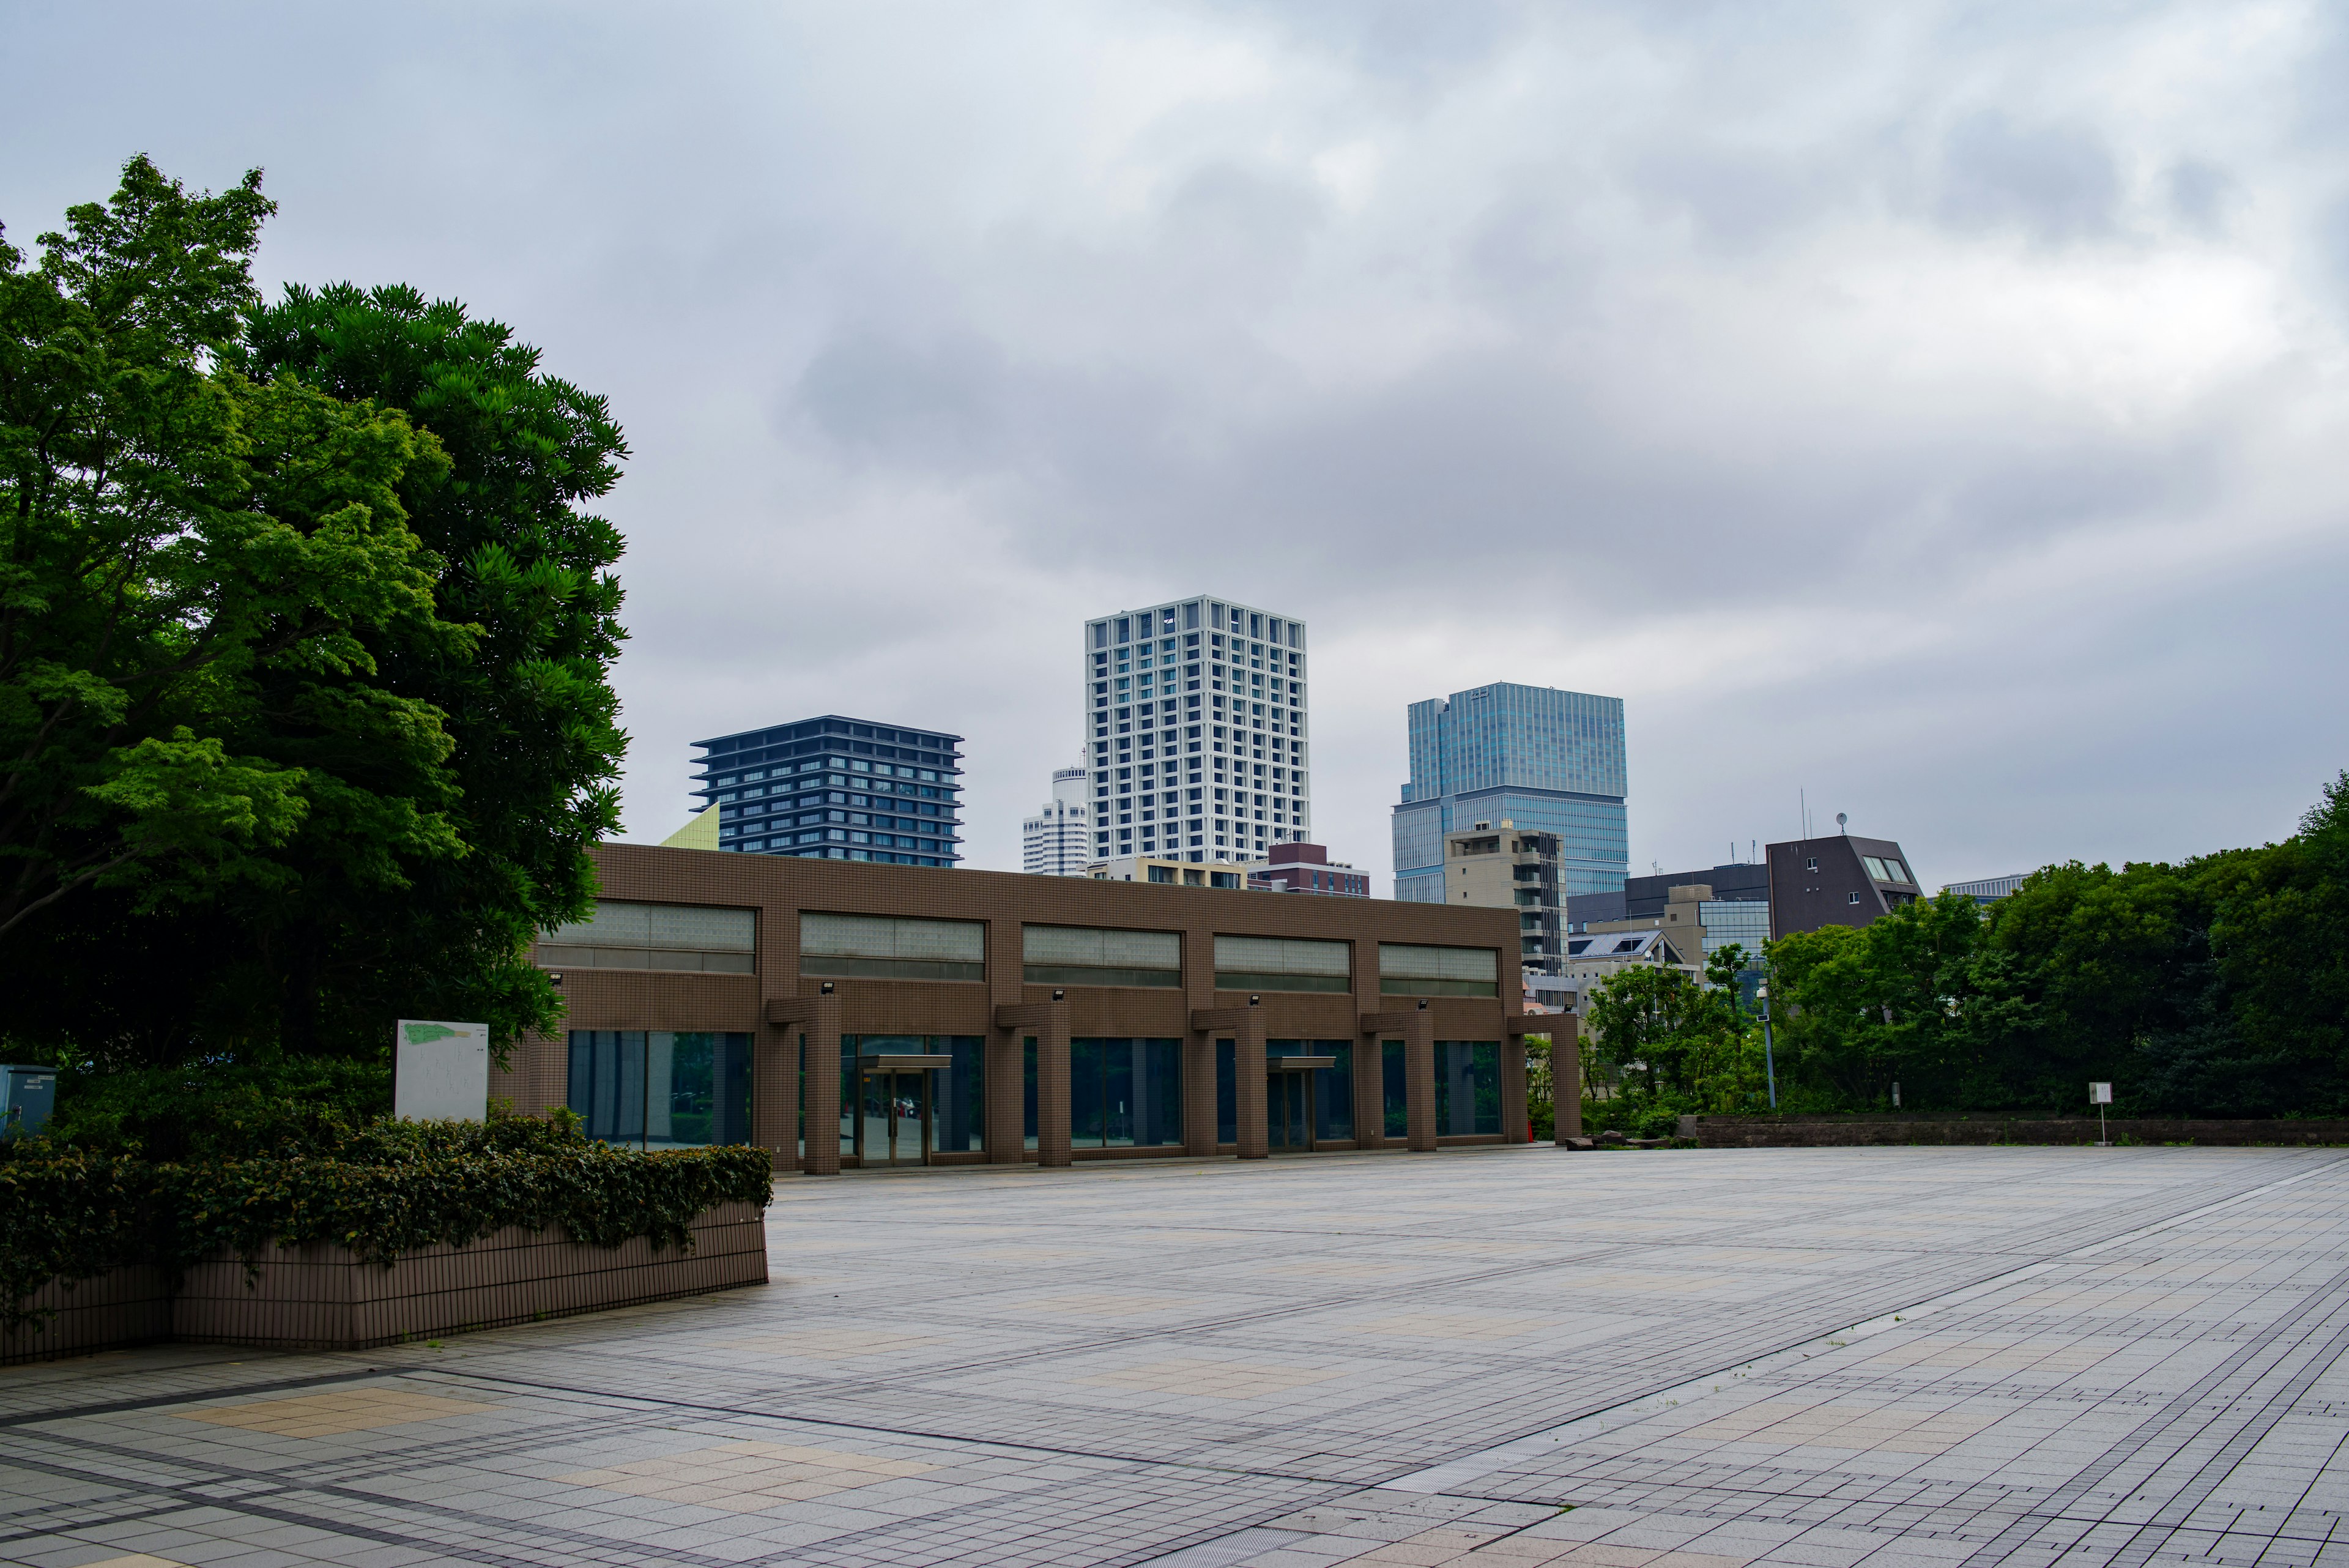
x=440 y=1071
x=2100 y=1094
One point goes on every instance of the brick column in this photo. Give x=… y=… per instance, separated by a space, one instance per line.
x=1052 y=1095
x=1048 y=1021
x=1416 y=1028
x=1007 y=1096
x=1369 y=1092
x=1512 y=1090
x=1243 y=1027
x=774 y=1093
x=1566 y=1076
x=1419 y=1082
x=816 y=1019
x=1199 y=1092
x=1248 y=1086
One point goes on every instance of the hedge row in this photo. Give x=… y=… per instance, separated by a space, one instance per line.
x=378 y=1190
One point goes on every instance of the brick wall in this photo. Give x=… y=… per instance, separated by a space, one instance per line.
x=318 y=1297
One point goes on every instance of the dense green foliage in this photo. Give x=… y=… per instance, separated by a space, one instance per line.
x=378 y=1190
x=2216 y=987
x=304 y=638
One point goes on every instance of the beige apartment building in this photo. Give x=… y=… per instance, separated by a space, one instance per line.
x=1501 y=866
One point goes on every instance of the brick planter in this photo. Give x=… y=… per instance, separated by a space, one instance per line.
x=1842 y=1132
x=317 y=1297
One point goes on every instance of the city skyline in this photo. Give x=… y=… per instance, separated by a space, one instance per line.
x=1964 y=376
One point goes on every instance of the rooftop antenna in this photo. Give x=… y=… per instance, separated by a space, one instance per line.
x=1840 y=820
x=1804 y=796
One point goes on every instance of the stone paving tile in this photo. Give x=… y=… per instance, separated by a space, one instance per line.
x=1510 y=1356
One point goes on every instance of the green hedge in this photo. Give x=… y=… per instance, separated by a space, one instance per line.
x=380 y=1190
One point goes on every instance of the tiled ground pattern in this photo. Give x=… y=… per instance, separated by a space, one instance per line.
x=1674 y=1359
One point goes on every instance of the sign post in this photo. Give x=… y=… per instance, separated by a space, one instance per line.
x=2100 y=1095
x=440 y=1071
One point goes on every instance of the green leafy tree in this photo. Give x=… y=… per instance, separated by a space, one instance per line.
x=529 y=705
x=1642 y=1019
x=304 y=638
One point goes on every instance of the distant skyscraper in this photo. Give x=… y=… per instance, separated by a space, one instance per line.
x=836 y=788
x=1196 y=723
x=1058 y=840
x=1544 y=759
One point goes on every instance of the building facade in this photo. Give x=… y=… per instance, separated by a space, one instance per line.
x=832 y=788
x=1990 y=889
x=1171 y=870
x=898 y=1016
x=1196 y=725
x=1551 y=762
x=1501 y=866
x=1307 y=868
x=1058 y=840
x=1838 y=881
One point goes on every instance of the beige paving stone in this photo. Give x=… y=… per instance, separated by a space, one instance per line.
x=343 y=1410
x=746 y=1476
x=1450 y=1325
x=829 y=1344
x=1210 y=1379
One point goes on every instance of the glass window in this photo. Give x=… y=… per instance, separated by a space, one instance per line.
x=1876 y=869
x=887 y=946
x=621 y=935
x=1283 y=963
x=1228 y=1100
x=1411 y=970
x=1467 y=1087
x=661 y=1088
x=1395 y=1083
x=1124 y=1093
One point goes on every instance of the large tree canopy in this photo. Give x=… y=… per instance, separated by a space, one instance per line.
x=2218 y=986
x=303 y=640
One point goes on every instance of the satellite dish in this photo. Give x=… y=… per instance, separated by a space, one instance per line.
x=1840 y=820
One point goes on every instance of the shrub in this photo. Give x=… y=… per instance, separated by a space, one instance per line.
x=380 y=1189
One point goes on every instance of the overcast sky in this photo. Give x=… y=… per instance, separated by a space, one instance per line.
x=1937 y=409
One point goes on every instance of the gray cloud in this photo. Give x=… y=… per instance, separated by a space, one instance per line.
x=2054 y=183
x=1932 y=408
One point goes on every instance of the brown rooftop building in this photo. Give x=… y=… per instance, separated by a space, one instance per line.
x=978 y=1017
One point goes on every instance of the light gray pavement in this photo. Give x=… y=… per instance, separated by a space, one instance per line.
x=1671 y=1359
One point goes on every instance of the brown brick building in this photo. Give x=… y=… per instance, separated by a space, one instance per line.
x=844 y=1013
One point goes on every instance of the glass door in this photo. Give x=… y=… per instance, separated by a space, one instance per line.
x=1288 y=1109
x=893 y=1122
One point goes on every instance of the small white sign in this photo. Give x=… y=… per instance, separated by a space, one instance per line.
x=440 y=1071
x=2100 y=1094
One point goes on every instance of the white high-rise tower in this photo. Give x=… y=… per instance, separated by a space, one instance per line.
x=1195 y=730
x=1057 y=841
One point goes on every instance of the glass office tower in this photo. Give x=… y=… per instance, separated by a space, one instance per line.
x=1196 y=725
x=1544 y=759
x=839 y=789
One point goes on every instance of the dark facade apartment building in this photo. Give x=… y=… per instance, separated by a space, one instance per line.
x=900 y=1014
x=832 y=788
x=1843 y=881
x=1308 y=868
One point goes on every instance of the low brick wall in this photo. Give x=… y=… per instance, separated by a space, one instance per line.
x=318 y=1297
x=1837 y=1132
x=125 y=1306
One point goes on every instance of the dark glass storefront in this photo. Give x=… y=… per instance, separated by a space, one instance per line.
x=1123 y=1093
x=661 y=1089
x=1467 y=1087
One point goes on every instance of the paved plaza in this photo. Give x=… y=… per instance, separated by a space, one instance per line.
x=1667 y=1359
